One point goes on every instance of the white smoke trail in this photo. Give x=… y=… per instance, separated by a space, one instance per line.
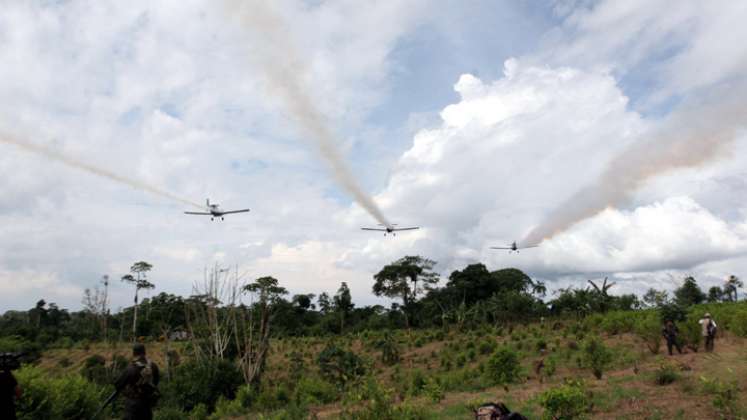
x=78 y=164
x=284 y=69
x=690 y=137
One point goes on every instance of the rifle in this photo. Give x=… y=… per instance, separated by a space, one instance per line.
x=106 y=403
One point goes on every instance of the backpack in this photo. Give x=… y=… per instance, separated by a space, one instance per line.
x=144 y=389
x=711 y=329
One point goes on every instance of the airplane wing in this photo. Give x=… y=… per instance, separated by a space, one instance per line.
x=499 y=247
x=374 y=229
x=407 y=228
x=197 y=212
x=530 y=246
x=235 y=211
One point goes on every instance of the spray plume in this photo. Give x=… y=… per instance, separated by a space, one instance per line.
x=283 y=69
x=692 y=136
x=77 y=164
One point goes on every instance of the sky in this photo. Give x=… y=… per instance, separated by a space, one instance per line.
x=611 y=133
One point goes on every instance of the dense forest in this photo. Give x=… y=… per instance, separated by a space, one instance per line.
x=240 y=348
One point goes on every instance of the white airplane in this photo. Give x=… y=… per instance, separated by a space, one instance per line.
x=513 y=247
x=213 y=210
x=390 y=229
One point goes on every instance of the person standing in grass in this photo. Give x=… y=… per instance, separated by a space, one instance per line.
x=708 y=330
x=670 y=332
x=139 y=385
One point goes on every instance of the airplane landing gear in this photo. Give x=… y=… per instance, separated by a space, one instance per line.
x=222 y=218
x=212 y=218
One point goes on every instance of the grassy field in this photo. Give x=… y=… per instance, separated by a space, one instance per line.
x=442 y=374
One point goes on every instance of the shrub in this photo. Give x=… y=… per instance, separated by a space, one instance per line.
x=690 y=334
x=201 y=382
x=738 y=324
x=649 y=330
x=540 y=344
x=168 y=413
x=389 y=349
x=315 y=391
x=64 y=362
x=596 y=356
x=94 y=369
x=68 y=397
x=503 y=367
x=417 y=383
x=666 y=374
x=567 y=401
x=486 y=347
x=433 y=390
x=617 y=322
x=550 y=366
x=16 y=344
x=371 y=401
x=200 y=412
x=725 y=395
x=339 y=366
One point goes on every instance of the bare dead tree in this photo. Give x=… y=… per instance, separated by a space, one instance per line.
x=210 y=312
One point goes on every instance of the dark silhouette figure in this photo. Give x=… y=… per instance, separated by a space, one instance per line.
x=139 y=386
x=9 y=391
x=670 y=332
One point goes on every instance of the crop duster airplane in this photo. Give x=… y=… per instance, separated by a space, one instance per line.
x=390 y=229
x=513 y=247
x=213 y=210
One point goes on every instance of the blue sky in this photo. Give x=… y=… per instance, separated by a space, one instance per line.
x=476 y=120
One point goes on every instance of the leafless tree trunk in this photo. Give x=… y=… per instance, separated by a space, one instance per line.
x=210 y=313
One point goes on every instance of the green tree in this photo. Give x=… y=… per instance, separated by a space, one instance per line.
x=655 y=298
x=140 y=281
x=343 y=304
x=324 y=302
x=715 y=294
x=689 y=293
x=400 y=280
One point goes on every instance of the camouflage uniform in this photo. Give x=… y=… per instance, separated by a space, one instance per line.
x=138 y=386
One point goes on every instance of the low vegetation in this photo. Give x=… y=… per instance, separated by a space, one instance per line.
x=436 y=353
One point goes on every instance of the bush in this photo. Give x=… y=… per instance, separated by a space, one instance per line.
x=16 y=344
x=94 y=369
x=371 y=401
x=690 y=334
x=738 y=324
x=596 y=356
x=201 y=382
x=433 y=390
x=649 y=330
x=486 y=347
x=567 y=401
x=725 y=395
x=503 y=367
x=339 y=366
x=389 y=349
x=168 y=413
x=666 y=374
x=70 y=397
x=315 y=391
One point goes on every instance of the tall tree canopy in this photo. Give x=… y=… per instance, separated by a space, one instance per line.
x=405 y=279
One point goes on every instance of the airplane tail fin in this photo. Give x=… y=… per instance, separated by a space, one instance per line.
x=207 y=202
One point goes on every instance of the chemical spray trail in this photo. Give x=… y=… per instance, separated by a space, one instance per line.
x=284 y=70
x=77 y=164
x=691 y=137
